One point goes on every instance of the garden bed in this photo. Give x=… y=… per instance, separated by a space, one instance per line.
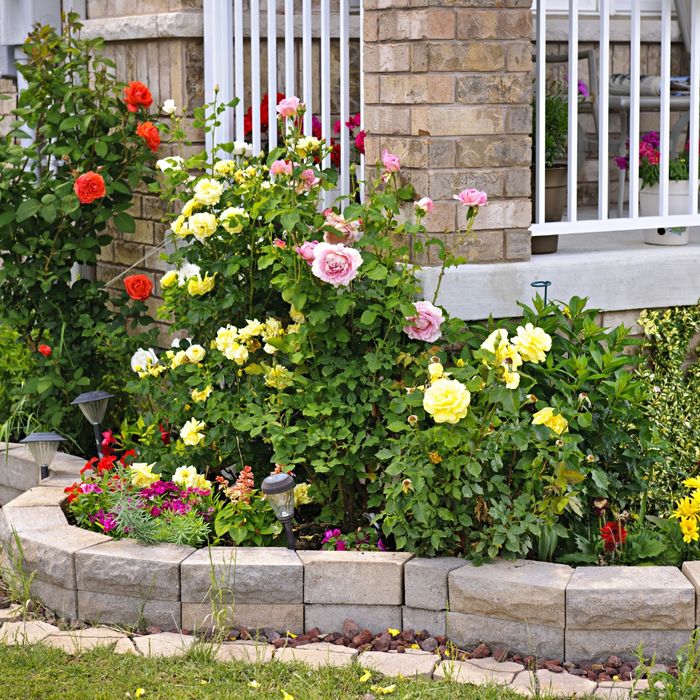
x=530 y=607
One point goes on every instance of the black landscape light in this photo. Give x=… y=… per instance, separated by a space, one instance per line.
x=93 y=404
x=279 y=491
x=43 y=447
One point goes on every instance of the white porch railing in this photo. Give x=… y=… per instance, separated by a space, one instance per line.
x=632 y=221
x=234 y=31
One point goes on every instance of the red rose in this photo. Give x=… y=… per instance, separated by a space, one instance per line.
x=138 y=287
x=89 y=186
x=360 y=141
x=137 y=95
x=45 y=350
x=613 y=534
x=149 y=133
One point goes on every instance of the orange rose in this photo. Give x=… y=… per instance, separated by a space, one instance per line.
x=137 y=95
x=138 y=287
x=89 y=187
x=149 y=133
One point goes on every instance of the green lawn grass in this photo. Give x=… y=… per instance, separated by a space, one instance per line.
x=40 y=673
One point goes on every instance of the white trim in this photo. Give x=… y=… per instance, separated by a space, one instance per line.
x=566 y=228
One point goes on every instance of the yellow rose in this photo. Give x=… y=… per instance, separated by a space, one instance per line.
x=196 y=286
x=435 y=370
x=179 y=227
x=233 y=218
x=225 y=168
x=168 y=279
x=497 y=338
x=195 y=353
x=532 y=343
x=201 y=395
x=279 y=377
x=202 y=225
x=179 y=358
x=307 y=145
x=142 y=475
x=251 y=329
x=191 y=433
x=199 y=481
x=190 y=206
x=511 y=379
x=208 y=191
x=447 y=400
x=553 y=421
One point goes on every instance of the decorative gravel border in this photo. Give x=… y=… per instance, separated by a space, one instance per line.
x=534 y=608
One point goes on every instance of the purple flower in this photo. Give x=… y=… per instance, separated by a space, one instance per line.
x=155 y=511
x=380 y=545
x=330 y=534
x=107 y=521
x=90 y=488
x=340 y=546
x=622 y=162
x=583 y=89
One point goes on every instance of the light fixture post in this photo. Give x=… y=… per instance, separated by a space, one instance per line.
x=93 y=405
x=43 y=448
x=279 y=490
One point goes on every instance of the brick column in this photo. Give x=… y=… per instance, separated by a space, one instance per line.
x=448 y=85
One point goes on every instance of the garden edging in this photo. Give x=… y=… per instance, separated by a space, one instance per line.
x=549 y=610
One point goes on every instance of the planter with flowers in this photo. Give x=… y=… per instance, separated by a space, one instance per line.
x=679 y=188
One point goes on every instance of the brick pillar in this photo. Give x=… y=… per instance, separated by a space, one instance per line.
x=448 y=85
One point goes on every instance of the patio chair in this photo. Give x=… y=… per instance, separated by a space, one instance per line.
x=622 y=104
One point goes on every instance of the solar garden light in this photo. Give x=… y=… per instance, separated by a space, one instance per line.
x=93 y=404
x=43 y=447
x=279 y=490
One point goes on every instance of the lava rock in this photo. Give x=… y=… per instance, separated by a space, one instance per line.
x=271 y=634
x=481 y=652
x=500 y=654
x=365 y=637
x=350 y=628
x=382 y=642
x=407 y=635
x=429 y=644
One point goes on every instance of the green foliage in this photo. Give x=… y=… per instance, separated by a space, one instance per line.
x=16 y=360
x=70 y=119
x=671 y=373
x=556 y=126
x=681 y=686
x=248 y=523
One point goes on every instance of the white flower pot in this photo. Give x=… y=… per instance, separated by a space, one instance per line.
x=677 y=204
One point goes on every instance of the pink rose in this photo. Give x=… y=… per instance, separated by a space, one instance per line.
x=391 y=163
x=288 y=107
x=308 y=180
x=426 y=205
x=360 y=141
x=425 y=325
x=472 y=198
x=349 y=231
x=306 y=250
x=281 y=167
x=335 y=264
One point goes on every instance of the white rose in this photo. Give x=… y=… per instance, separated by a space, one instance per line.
x=170 y=163
x=186 y=271
x=241 y=148
x=169 y=107
x=142 y=359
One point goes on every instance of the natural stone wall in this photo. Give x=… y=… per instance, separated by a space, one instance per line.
x=530 y=607
x=448 y=89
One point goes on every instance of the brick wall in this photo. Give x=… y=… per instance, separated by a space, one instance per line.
x=448 y=89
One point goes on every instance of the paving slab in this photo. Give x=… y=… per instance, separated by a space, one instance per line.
x=629 y=598
x=285 y=616
x=467 y=672
x=29 y=632
x=164 y=644
x=433 y=621
x=248 y=651
x=490 y=664
x=554 y=685
x=425 y=582
x=243 y=575
x=317 y=655
x=621 y=690
x=354 y=578
x=598 y=644
x=11 y=614
x=78 y=641
x=526 y=638
x=520 y=590
x=394 y=664
x=108 y=608
x=127 y=567
x=125 y=646
x=330 y=618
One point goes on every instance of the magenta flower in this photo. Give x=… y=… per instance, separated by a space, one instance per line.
x=335 y=263
x=583 y=89
x=90 y=488
x=330 y=534
x=425 y=325
x=360 y=141
x=288 y=107
x=391 y=163
x=340 y=546
x=472 y=198
x=380 y=545
x=306 y=250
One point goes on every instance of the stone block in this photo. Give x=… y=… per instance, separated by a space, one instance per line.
x=458 y=120
x=494 y=89
x=387 y=58
x=329 y=618
x=199 y=616
x=403 y=25
x=629 y=598
x=317 y=655
x=620 y=690
x=17 y=468
x=21 y=519
x=505 y=214
x=388 y=120
x=247 y=651
x=518 y=245
x=518 y=636
x=478 y=57
x=432 y=621
x=558 y=685
x=425 y=582
x=30 y=632
x=408 y=665
x=413 y=152
x=359 y=578
x=690 y=569
x=8 y=494
x=494 y=24
x=164 y=644
x=243 y=575
x=40 y=496
x=520 y=591
x=128 y=611
x=126 y=567
x=63 y=601
x=416 y=89
x=467 y=672
x=487 y=151
x=50 y=553
x=598 y=644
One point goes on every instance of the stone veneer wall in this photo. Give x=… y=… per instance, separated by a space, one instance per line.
x=448 y=87
x=550 y=610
